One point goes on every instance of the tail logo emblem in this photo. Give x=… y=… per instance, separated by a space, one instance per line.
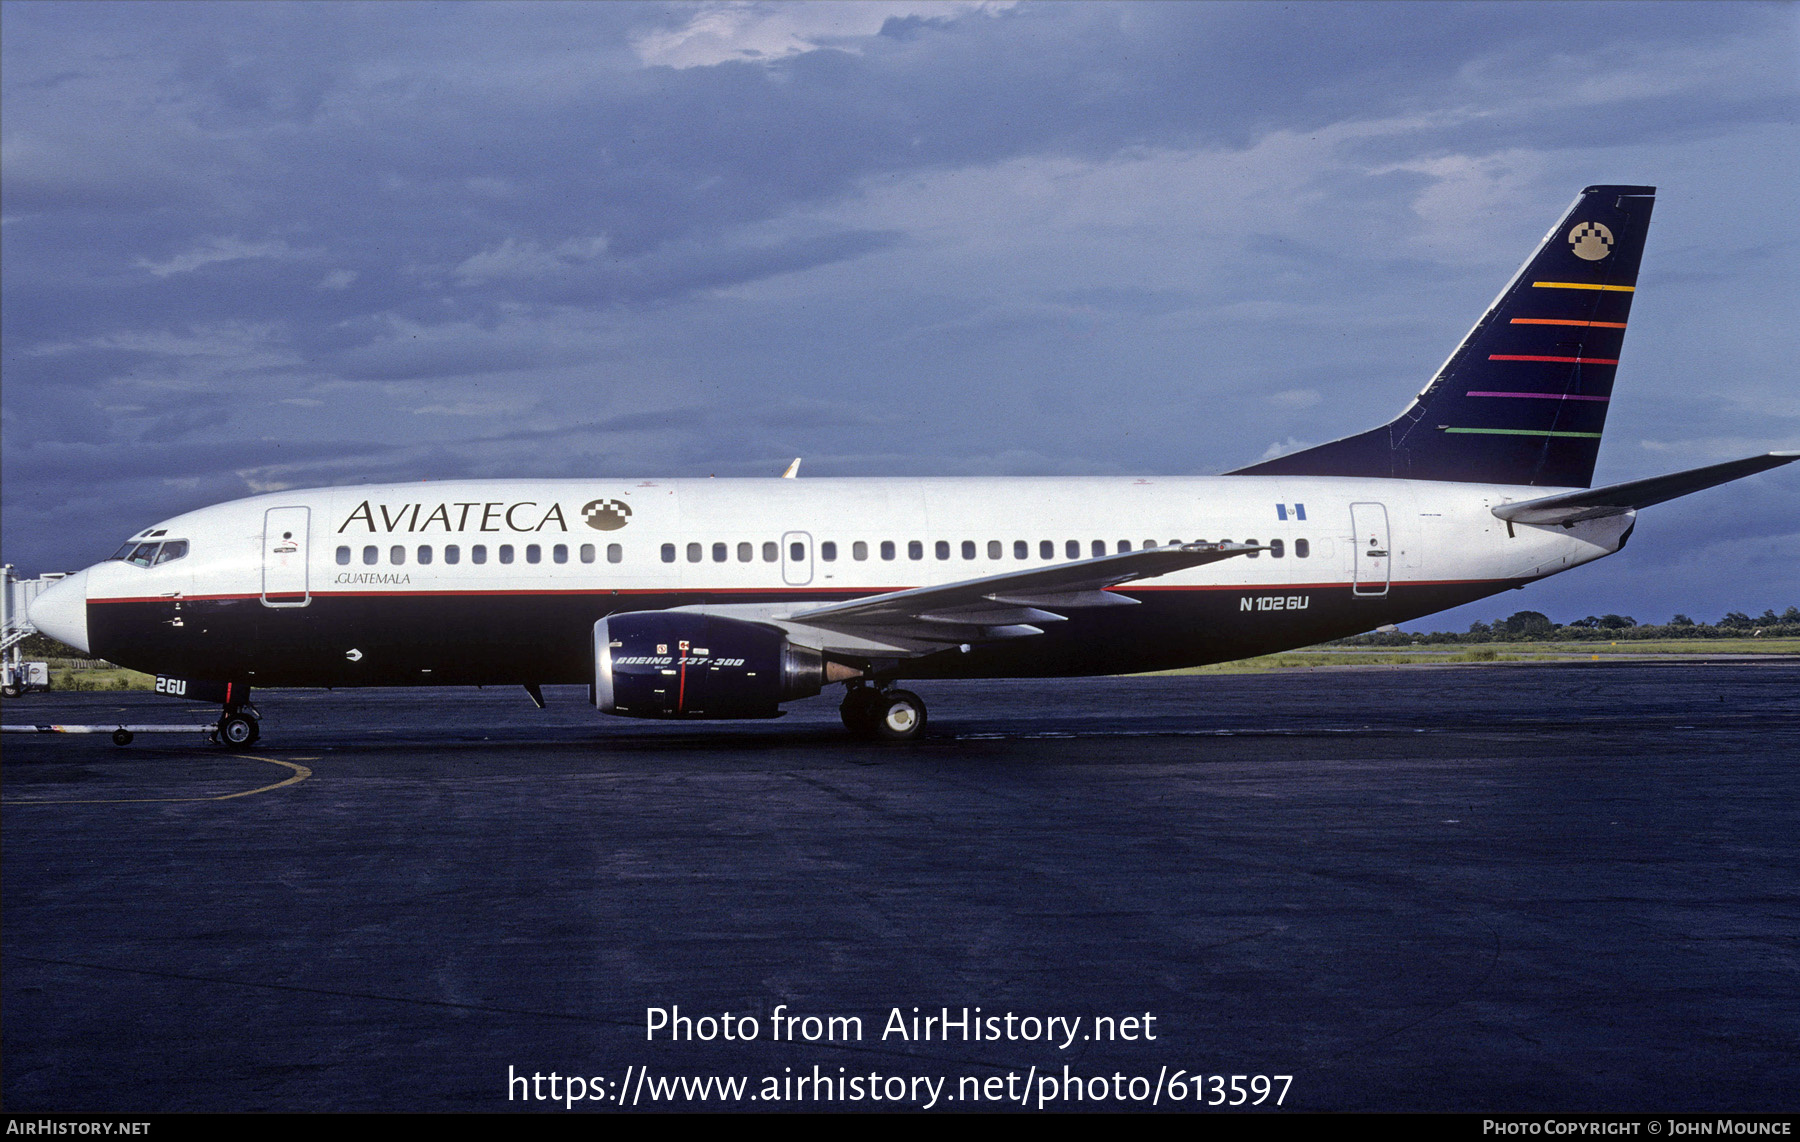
x=1591 y=241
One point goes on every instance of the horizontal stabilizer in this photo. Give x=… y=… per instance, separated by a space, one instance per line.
x=1617 y=499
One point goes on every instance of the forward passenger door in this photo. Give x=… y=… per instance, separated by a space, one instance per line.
x=284 y=548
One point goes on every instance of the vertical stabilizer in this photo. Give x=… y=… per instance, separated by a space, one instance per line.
x=1523 y=400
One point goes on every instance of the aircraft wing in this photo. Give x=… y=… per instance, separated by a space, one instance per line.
x=1014 y=604
x=1617 y=499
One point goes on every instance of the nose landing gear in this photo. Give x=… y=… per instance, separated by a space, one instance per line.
x=884 y=715
x=239 y=725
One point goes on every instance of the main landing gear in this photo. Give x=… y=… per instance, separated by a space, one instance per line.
x=885 y=715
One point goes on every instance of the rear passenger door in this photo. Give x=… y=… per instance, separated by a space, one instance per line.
x=1373 y=556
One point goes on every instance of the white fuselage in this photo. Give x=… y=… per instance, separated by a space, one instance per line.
x=1353 y=552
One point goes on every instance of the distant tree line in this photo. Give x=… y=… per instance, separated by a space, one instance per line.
x=1535 y=626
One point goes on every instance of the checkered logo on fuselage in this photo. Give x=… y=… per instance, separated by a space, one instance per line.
x=606 y=515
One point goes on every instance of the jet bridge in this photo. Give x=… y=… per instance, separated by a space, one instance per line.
x=15 y=627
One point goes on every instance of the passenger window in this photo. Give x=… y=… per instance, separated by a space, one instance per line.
x=1276 y=549
x=1252 y=554
x=1124 y=546
x=693 y=553
x=1046 y=549
x=452 y=553
x=478 y=553
x=506 y=553
x=1021 y=549
x=533 y=553
x=587 y=553
x=560 y=553
x=887 y=549
x=668 y=553
x=993 y=549
x=616 y=553
x=1099 y=548
x=968 y=549
x=343 y=556
x=424 y=553
x=720 y=553
x=771 y=552
x=859 y=551
x=747 y=552
x=942 y=549
x=915 y=549
x=1149 y=545
x=797 y=551
x=1301 y=549
x=371 y=556
x=1072 y=549
x=828 y=551
x=397 y=555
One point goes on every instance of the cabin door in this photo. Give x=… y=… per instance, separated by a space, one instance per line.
x=284 y=557
x=1371 y=541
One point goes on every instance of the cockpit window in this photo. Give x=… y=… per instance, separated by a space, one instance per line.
x=150 y=554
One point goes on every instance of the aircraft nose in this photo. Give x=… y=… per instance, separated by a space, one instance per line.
x=61 y=611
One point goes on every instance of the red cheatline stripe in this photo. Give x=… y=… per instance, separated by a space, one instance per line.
x=1563 y=360
x=1561 y=321
x=1540 y=396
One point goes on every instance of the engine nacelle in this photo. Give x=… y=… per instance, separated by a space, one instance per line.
x=668 y=664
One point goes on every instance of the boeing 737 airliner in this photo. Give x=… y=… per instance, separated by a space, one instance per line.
x=727 y=598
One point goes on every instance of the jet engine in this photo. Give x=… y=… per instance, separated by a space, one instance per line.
x=670 y=664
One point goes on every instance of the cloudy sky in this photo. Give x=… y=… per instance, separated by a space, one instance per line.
x=255 y=246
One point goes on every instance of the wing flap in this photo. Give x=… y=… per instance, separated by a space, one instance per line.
x=991 y=615
x=1058 y=600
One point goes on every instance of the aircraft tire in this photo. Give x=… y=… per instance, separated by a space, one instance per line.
x=899 y=716
x=238 y=729
x=12 y=691
x=858 y=710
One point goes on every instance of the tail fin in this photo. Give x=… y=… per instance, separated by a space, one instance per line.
x=1523 y=399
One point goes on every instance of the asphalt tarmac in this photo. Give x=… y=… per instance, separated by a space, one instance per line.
x=1435 y=888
